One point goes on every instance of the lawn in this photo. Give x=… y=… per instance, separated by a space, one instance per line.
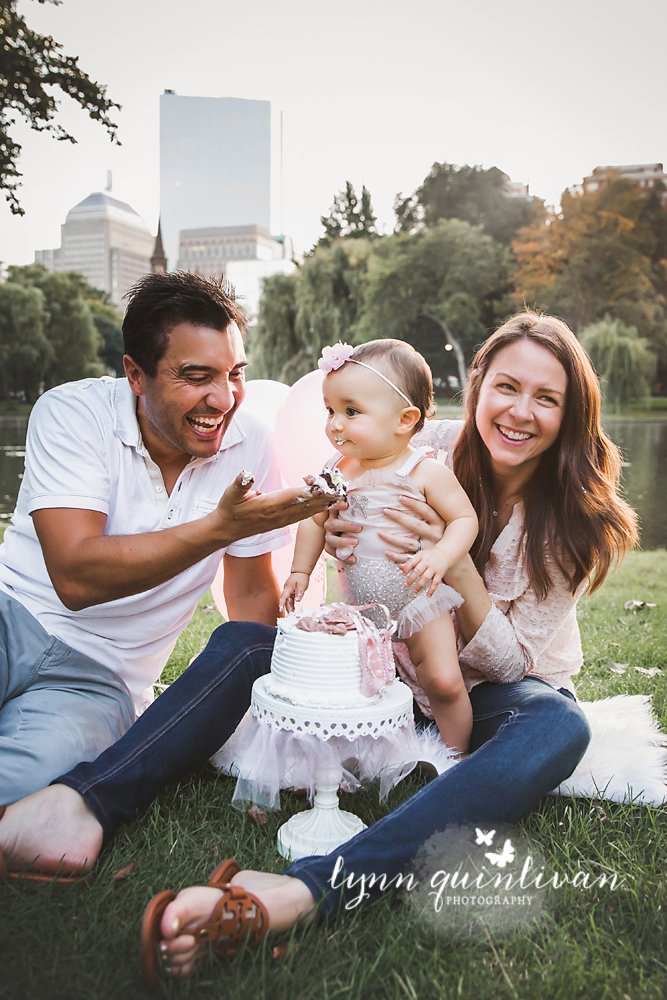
x=82 y=943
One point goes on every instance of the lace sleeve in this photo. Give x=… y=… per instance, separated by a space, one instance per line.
x=440 y=435
x=528 y=636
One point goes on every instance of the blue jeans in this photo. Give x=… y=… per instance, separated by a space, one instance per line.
x=57 y=705
x=181 y=730
x=527 y=738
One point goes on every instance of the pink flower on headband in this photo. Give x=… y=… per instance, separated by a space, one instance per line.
x=333 y=357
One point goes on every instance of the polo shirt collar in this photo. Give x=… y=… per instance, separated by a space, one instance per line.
x=127 y=429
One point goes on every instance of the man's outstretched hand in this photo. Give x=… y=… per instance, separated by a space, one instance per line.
x=243 y=511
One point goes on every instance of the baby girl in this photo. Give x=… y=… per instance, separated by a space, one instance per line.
x=377 y=397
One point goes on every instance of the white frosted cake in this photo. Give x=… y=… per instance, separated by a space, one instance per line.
x=315 y=668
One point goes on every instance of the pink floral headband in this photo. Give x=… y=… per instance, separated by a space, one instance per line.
x=335 y=357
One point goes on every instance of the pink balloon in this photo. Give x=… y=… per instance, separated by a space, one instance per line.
x=281 y=561
x=302 y=447
x=263 y=398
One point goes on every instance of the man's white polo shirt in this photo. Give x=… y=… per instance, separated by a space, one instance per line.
x=84 y=450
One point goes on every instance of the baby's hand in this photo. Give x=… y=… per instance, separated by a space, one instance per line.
x=295 y=587
x=427 y=568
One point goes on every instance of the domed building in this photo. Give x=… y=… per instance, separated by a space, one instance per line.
x=106 y=241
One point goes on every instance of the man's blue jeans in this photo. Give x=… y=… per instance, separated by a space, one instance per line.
x=527 y=738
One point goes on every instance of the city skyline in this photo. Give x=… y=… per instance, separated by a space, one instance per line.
x=545 y=93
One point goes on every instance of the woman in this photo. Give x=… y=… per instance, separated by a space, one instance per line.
x=542 y=476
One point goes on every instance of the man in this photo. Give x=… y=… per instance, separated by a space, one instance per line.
x=133 y=489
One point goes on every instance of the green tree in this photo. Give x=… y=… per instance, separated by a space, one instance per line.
x=350 y=217
x=29 y=64
x=446 y=275
x=476 y=195
x=25 y=352
x=331 y=293
x=109 y=324
x=624 y=360
x=69 y=325
x=316 y=306
x=273 y=344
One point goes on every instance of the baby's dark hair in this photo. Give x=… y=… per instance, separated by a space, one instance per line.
x=404 y=366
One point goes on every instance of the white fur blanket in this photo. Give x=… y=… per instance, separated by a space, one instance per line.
x=626 y=760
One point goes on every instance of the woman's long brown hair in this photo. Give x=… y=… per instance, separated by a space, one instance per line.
x=572 y=505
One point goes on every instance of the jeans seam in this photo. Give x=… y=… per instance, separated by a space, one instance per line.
x=86 y=788
x=37 y=667
x=493 y=715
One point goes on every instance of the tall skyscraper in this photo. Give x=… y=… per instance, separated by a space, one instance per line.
x=215 y=165
x=104 y=240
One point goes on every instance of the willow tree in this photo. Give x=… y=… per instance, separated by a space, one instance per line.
x=624 y=360
x=302 y=313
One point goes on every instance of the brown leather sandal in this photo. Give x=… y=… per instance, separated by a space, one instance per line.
x=237 y=917
x=39 y=876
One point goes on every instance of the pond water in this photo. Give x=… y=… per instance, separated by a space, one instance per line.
x=643 y=443
x=644 y=447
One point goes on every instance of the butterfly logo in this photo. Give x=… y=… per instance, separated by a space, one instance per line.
x=484 y=838
x=504 y=858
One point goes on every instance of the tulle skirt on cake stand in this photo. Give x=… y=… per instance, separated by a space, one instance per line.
x=279 y=745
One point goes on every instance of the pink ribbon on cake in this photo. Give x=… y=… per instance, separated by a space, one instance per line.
x=375 y=647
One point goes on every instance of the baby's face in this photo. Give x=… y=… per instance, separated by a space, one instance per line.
x=364 y=413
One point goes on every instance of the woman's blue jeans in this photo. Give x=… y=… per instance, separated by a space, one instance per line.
x=527 y=737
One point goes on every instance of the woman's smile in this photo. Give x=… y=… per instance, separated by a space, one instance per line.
x=510 y=434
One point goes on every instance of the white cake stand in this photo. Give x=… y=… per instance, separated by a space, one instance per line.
x=326 y=826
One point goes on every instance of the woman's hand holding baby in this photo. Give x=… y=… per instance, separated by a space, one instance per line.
x=295 y=587
x=422 y=523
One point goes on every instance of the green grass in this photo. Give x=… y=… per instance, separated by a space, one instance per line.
x=601 y=945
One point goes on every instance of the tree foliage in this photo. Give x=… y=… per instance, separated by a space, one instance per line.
x=445 y=274
x=624 y=360
x=302 y=313
x=25 y=351
x=357 y=290
x=52 y=313
x=273 y=345
x=604 y=254
x=109 y=324
x=30 y=66
x=476 y=195
x=350 y=217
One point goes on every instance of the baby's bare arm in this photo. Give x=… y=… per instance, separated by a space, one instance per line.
x=446 y=496
x=307 y=550
x=309 y=544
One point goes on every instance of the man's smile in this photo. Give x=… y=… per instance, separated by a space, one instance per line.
x=205 y=427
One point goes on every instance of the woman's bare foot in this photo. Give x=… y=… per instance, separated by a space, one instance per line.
x=286 y=899
x=50 y=831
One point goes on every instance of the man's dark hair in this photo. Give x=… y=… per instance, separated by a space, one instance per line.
x=159 y=302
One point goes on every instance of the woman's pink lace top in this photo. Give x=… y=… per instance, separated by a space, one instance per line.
x=520 y=635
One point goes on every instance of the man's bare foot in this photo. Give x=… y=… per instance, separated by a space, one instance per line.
x=50 y=831
x=286 y=899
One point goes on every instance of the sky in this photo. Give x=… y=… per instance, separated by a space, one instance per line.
x=371 y=91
